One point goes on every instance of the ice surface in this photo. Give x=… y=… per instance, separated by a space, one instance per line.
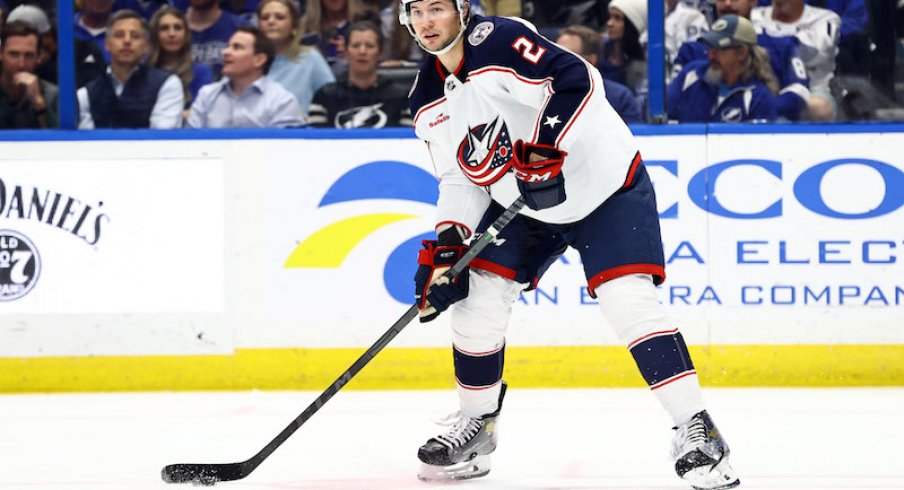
x=612 y=439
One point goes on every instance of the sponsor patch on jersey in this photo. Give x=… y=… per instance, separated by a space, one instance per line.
x=480 y=33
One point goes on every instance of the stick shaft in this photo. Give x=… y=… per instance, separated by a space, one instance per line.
x=246 y=467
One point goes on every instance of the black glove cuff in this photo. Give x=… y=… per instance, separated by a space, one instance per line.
x=451 y=236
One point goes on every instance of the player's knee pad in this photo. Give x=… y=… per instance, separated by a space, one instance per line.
x=631 y=305
x=479 y=321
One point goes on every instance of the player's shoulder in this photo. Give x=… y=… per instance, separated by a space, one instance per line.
x=488 y=39
x=427 y=86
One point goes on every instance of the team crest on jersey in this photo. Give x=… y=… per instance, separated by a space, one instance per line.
x=485 y=153
x=480 y=33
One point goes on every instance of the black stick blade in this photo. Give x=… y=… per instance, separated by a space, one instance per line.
x=202 y=474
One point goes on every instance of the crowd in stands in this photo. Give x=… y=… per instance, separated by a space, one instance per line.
x=349 y=63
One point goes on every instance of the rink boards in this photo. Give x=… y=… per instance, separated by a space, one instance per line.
x=272 y=259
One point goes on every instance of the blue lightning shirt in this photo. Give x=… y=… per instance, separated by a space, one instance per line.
x=691 y=99
x=786 y=63
x=514 y=84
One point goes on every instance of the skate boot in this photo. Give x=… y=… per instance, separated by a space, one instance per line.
x=464 y=451
x=701 y=455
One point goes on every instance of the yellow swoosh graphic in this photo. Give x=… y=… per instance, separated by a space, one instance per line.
x=330 y=245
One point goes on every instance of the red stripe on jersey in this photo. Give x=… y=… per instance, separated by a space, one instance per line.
x=633 y=168
x=531 y=81
x=442 y=69
x=536 y=133
x=427 y=107
x=657 y=271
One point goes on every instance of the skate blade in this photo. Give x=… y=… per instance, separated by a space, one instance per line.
x=719 y=477
x=477 y=467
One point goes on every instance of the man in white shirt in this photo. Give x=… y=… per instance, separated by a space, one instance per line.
x=818 y=30
x=131 y=94
x=246 y=97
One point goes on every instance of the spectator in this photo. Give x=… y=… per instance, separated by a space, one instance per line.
x=551 y=15
x=91 y=23
x=211 y=28
x=131 y=94
x=682 y=23
x=624 y=58
x=502 y=8
x=26 y=101
x=818 y=31
x=3 y=11
x=854 y=14
x=784 y=58
x=331 y=20
x=734 y=85
x=586 y=42
x=246 y=97
x=302 y=70
x=171 y=51
x=89 y=58
x=361 y=98
x=400 y=49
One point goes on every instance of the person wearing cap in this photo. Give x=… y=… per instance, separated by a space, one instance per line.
x=784 y=57
x=89 y=59
x=624 y=58
x=26 y=101
x=735 y=83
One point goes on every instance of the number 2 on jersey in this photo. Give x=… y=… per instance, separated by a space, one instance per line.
x=529 y=51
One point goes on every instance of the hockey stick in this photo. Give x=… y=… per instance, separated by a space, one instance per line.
x=211 y=473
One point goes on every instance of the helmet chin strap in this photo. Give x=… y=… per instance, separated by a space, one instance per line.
x=447 y=48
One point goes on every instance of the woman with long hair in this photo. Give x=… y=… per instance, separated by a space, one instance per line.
x=624 y=59
x=171 y=51
x=302 y=70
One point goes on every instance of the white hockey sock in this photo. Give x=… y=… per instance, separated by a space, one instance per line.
x=681 y=398
x=476 y=403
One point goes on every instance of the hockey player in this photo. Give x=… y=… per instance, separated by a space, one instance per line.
x=506 y=114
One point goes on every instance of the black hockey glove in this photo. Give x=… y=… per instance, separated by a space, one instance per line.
x=433 y=293
x=540 y=182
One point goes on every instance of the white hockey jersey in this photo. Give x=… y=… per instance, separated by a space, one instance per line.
x=818 y=30
x=514 y=84
x=682 y=24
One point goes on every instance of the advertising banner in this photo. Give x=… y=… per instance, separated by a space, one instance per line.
x=768 y=239
x=89 y=248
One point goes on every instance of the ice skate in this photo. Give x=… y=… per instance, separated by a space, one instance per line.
x=701 y=455
x=464 y=451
